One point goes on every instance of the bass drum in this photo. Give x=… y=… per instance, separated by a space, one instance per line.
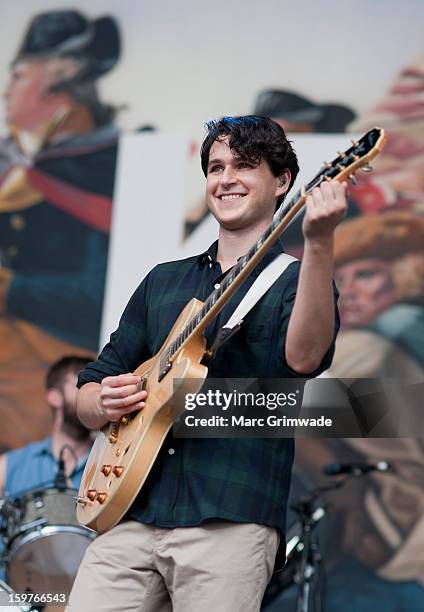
x=6 y=601
x=44 y=542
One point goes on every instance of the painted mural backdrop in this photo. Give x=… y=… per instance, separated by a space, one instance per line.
x=72 y=80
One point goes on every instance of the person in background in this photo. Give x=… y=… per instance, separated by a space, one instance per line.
x=36 y=464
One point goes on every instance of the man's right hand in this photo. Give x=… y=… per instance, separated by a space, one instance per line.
x=120 y=395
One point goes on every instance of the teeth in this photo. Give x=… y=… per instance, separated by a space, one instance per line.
x=231 y=196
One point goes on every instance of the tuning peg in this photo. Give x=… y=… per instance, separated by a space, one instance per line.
x=353 y=179
x=367 y=168
x=355 y=143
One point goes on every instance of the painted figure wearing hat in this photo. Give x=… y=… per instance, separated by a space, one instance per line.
x=298 y=114
x=379 y=271
x=56 y=183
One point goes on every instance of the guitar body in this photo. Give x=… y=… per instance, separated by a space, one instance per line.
x=124 y=452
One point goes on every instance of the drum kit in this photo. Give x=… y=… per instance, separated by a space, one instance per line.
x=43 y=545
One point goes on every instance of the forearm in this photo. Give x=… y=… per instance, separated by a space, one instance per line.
x=311 y=326
x=88 y=407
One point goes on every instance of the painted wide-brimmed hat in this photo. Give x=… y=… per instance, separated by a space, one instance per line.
x=386 y=236
x=290 y=106
x=69 y=33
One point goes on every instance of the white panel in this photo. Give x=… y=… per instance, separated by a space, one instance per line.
x=147 y=215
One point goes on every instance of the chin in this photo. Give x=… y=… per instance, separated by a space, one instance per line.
x=231 y=223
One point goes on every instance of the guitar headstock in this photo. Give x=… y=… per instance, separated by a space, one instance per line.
x=355 y=157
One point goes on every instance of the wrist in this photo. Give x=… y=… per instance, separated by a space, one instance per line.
x=320 y=244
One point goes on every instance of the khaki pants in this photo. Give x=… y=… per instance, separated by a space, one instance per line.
x=217 y=567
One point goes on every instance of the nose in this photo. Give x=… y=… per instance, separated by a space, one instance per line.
x=228 y=176
x=6 y=92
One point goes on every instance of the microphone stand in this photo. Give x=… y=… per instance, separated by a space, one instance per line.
x=310 y=555
x=60 y=478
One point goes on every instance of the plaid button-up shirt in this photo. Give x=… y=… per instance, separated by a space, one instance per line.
x=242 y=480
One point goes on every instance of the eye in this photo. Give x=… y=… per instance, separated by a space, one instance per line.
x=244 y=164
x=214 y=169
x=366 y=273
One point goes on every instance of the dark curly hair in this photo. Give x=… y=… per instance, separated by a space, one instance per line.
x=253 y=138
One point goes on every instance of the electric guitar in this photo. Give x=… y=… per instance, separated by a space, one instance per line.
x=124 y=451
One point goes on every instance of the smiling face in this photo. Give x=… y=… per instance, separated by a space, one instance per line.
x=239 y=193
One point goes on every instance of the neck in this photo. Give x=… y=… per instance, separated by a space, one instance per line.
x=68 y=120
x=78 y=121
x=60 y=438
x=233 y=244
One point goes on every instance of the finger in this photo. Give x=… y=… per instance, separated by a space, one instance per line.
x=117 y=392
x=114 y=414
x=339 y=191
x=319 y=197
x=121 y=380
x=123 y=402
x=310 y=204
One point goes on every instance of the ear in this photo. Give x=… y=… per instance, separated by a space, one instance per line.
x=54 y=398
x=283 y=183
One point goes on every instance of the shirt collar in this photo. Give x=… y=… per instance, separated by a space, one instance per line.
x=209 y=256
x=45 y=448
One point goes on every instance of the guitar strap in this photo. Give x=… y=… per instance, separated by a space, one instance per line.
x=265 y=280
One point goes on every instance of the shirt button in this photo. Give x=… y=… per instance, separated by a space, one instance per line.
x=12 y=251
x=17 y=222
x=217 y=286
x=171 y=451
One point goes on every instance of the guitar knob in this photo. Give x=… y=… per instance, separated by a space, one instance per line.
x=101 y=497
x=117 y=470
x=106 y=469
x=367 y=168
x=352 y=179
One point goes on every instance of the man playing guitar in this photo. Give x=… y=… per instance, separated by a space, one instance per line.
x=203 y=532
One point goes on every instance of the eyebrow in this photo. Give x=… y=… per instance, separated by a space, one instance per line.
x=214 y=161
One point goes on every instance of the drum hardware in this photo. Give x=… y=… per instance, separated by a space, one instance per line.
x=6 y=605
x=44 y=543
x=32 y=525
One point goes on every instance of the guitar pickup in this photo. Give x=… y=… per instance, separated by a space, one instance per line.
x=164 y=370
